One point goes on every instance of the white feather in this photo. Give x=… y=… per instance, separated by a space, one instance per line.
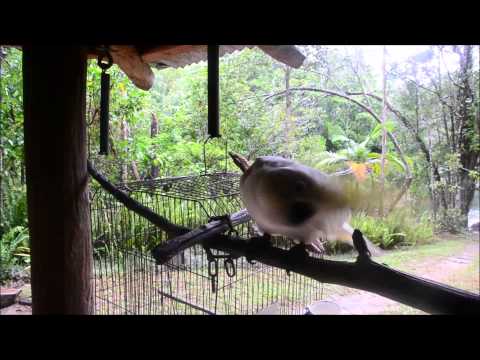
x=256 y=192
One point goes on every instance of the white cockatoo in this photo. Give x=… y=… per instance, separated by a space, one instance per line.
x=287 y=198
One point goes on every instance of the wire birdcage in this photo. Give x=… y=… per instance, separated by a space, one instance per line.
x=128 y=281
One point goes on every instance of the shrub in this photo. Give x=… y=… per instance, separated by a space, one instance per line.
x=14 y=208
x=452 y=220
x=14 y=253
x=399 y=228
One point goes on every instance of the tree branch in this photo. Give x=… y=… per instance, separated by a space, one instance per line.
x=133 y=205
x=364 y=274
x=166 y=251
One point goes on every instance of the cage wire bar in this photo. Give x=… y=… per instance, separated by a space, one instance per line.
x=127 y=280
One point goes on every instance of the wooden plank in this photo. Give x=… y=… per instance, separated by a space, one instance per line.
x=182 y=55
x=137 y=70
x=175 y=55
x=57 y=179
x=287 y=54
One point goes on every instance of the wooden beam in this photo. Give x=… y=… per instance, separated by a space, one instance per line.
x=183 y=55
x=175 y=55
x=137 y=70
x=287 y=54
x=134 y=60
x=57 y=180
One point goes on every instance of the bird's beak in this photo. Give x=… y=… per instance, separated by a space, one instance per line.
x=240 y=161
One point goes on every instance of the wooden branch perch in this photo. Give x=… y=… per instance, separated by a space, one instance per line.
x=364 y=274
x=164 y=252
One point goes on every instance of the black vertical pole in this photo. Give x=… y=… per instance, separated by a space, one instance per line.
x=213 y=91
x=104 y=112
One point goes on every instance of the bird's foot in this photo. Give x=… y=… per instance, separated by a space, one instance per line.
x=256 y=243
x=296 y=254
x=316 y=248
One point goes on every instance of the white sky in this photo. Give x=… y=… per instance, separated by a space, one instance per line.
x=373 y=54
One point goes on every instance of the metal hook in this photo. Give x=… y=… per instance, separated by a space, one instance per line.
x=230 y=267
x=105 y=54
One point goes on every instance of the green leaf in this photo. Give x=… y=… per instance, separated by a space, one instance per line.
x=391 y=158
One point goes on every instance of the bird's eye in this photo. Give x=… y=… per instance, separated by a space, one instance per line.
x=299 y=186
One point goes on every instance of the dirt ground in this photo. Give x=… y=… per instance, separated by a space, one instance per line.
x=443 y=271
x=16 y=309
x=455 y=270
x=19 y=308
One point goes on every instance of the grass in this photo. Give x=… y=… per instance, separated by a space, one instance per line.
x=467 y=279
x=406 y=259
x=444 y=246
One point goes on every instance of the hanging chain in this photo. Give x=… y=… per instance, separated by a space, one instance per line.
x=104 y=61
x=228 y=263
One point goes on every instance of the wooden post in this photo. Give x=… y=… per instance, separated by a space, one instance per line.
x=54 y=80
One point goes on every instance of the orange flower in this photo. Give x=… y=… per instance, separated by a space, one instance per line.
x=360 y=170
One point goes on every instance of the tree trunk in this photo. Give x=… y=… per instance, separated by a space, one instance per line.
x=123 y=163
x=2 y=55
x=153 y=134
x=57 y=179
x=417 y=100
x=469 y=153
x=288 y=114
x=135 y=172
x=384 y=132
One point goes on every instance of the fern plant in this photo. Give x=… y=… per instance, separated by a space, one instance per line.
x=14 y=251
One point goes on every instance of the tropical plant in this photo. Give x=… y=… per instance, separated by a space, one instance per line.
x=360 y=159
x=399 y=228
x=14 y=251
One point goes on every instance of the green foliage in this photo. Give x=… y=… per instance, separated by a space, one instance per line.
x=14 y=211
x=12 y=191
x=329 y=132
x=14 y=252
x=451 y=220
x=309 y=148
x=399 y=228
x=351 y=151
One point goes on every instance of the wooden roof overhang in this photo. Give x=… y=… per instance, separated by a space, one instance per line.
x=136 y=61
